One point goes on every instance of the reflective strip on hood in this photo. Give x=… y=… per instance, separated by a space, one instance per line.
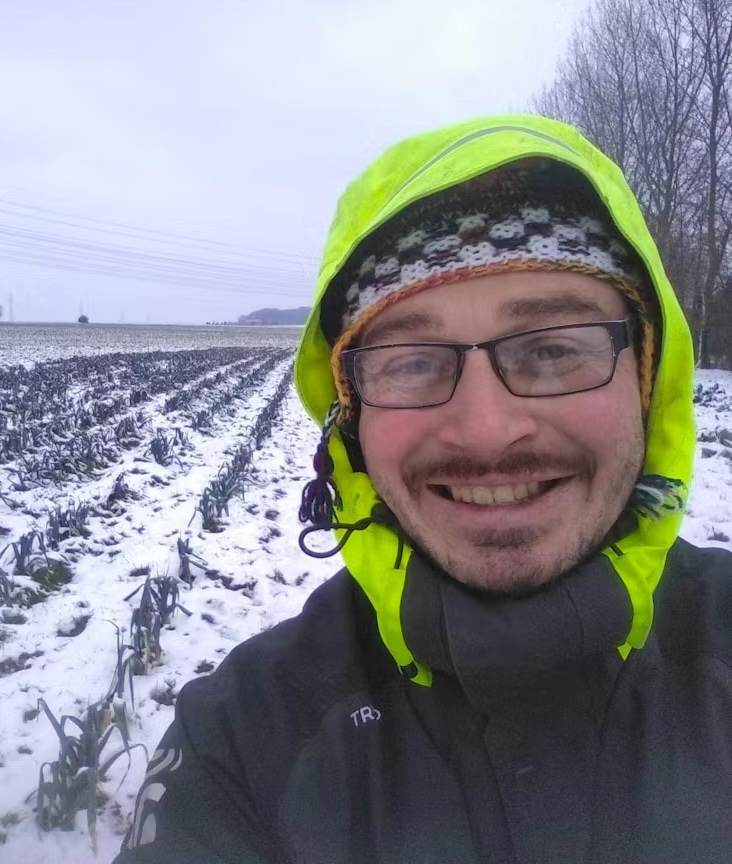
x=479 y=134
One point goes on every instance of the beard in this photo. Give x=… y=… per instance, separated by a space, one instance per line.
x=518 y=561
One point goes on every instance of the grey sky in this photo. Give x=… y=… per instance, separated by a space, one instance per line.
x=236 y=123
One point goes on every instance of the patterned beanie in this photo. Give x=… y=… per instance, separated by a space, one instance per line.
x=535 y=215
x=531 y=215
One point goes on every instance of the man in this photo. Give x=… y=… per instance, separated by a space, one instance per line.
x=521 y=662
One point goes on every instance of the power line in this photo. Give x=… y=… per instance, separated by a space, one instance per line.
x=132 y=269
x=218 y=266
x=35 y=240
x=131 y=231
x=181 y=280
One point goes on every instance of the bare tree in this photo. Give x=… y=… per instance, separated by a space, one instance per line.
x=649 y=82
x=711 y=21
x=666 y=76
x=590 y=88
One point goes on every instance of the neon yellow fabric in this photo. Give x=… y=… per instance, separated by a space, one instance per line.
x=434 y=161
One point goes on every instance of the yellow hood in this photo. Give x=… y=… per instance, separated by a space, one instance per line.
x=421 y=166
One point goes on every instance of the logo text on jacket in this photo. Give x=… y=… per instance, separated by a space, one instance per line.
x=364 y=715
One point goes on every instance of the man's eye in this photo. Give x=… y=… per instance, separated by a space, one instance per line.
x=415 y=365
x=422 y=366
x=554 y=351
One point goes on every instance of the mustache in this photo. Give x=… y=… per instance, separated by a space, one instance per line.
x=528 y=462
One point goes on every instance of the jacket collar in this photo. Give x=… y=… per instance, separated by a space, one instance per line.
x=505 y=647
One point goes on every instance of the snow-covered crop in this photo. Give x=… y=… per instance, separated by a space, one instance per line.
x=115 y=471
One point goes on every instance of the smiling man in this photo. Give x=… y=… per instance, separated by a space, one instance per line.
x=521 y=661
x=503 y=489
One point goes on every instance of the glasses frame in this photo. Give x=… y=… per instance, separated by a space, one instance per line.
x=618 y=331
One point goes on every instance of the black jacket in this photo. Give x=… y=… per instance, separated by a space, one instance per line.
x=536 y=744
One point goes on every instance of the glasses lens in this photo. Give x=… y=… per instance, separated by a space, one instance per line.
x=406 y=376
x=561 y=360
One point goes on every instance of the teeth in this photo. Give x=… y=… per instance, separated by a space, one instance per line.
x=507 y=494
x=490 y=495
x=478 y=495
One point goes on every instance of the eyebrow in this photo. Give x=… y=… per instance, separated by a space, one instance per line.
x=382 y=332
x=550 y=307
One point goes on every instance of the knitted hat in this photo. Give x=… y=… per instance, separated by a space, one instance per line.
x=535 y=215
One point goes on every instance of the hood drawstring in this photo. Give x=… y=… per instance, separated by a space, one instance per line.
x=320 y=496
x=349 y=528
x=380 y=515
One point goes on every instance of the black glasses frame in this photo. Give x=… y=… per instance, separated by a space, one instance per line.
x=618 y=331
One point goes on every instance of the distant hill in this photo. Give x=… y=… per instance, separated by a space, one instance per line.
x=276 y=316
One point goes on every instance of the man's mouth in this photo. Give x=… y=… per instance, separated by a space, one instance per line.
x=490 y=496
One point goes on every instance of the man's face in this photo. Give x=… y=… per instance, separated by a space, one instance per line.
x=577 y=456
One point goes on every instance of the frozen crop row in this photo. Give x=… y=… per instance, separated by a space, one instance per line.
x=70 y=784
x=47 y=404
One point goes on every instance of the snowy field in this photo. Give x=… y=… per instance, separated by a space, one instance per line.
x=180 y=469
x=34 y=343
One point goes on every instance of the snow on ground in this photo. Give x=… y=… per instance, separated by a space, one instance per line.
x=256 y=555
x=27 y=344
x=254 y=575
x=708 y=519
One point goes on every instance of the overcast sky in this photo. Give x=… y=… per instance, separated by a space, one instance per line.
x=178 y=161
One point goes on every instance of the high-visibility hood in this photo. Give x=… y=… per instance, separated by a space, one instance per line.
x=422 y=166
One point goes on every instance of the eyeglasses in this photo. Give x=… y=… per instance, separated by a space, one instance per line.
x=551 y=361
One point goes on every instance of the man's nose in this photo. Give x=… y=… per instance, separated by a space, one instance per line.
x=483 y=413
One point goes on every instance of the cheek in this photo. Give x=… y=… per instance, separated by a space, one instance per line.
x=387 y=438
x=607 y=422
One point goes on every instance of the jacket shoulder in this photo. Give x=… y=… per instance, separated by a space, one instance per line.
x=213 y=786
x=326 y=649
x=271 y=692
x=693 y=602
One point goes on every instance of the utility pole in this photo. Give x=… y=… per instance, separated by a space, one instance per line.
x=10 y=307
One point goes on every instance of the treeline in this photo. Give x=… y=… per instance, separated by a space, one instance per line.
x=649 y=81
